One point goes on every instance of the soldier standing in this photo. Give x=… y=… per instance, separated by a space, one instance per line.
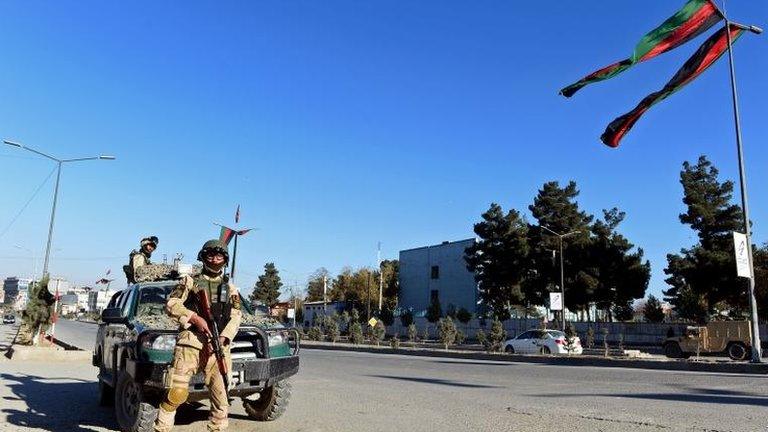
x=193 y=352
x=140 y=257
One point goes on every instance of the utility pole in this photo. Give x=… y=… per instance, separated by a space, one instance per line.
x=381 y=279
x=756 y=347
x=325 y=294
x=59 y=163
x=562 y=272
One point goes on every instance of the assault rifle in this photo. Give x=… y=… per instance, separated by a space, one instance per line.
x=218 y=351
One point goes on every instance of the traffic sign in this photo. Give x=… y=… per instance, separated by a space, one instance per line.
x=372 y=322
x=742 y=255
x=555 y=301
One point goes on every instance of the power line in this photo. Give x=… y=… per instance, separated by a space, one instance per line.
x=15 y=218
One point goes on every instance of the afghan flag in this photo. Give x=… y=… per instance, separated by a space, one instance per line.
x=227 y=234
x=696 y=17
x=705 y=56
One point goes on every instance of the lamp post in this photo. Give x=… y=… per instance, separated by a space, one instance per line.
x=562 y=273
x=59 y=163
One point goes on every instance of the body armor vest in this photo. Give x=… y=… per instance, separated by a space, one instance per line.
x=218 y=293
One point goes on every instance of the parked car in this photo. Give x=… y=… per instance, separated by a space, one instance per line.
x=9 y=319
x=543 y=342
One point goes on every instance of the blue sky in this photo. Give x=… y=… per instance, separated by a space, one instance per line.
x=339 y=124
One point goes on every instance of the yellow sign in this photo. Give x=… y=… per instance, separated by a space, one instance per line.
x=372 y=322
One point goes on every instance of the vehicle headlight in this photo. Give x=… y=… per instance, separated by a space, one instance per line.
x=162 y=342
x=277 y=338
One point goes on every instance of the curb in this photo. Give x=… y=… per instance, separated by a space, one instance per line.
x=674 y=365
x=48 y=354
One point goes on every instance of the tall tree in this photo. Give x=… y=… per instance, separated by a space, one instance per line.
x=702 y=278
x=620 y=274
x=499 y=259
x=316 y=283
x=390 y=270
x=556 y=208
x=653 y=311
x=267 y=288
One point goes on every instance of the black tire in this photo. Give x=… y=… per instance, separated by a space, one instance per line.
x=271 y=403
x=133 y=412
x=673 y=350
x=737 y=351
x=509 y=349
x=545 y=350
x=106 y=394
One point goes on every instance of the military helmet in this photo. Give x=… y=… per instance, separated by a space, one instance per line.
x=149 y=240
x=213 y=246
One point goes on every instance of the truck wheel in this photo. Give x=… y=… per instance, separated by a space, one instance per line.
x=737 y=351
x=672 y=350
x=271 y=403
x=106 y=394
x=133 y=412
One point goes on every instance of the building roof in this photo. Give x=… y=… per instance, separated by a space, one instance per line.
x=445 y=243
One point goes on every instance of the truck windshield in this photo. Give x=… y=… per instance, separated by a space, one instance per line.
x=152 y=301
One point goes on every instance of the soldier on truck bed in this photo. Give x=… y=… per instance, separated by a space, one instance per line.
x=138 y=258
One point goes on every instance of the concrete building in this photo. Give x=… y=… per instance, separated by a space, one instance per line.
x=314 y=310
x=16 y=292
x=98 y=299
x=439 y=272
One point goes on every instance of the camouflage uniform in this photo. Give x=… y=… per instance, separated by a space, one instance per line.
x=193 y=353
x=138 y=258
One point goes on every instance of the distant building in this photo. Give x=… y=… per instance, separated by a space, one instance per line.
x=314 y=310
x=16 y=292
x=280 y=310
x=98 y=299
x=437 y=272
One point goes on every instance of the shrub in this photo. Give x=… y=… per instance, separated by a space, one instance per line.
x=606 y=348
x=496 y=336
x=394 y=342
x=590 y=338
x=447 y=331
x=332 y=330
x=379 y=331
x=463 y=316
x=356 y=333
x=315 y=334
x=460 y=337
x=482 y=339
x=413 y=334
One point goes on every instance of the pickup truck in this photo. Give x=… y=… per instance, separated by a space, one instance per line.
x=134 y=348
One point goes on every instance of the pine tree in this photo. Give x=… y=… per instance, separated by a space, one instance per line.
x=496 y=336
x=702 y=278
x=652 y=311
x=499 y=259
x=447 y=331
x=267 y=288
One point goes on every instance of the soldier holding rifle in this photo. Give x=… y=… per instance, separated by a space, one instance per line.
x=202 y=306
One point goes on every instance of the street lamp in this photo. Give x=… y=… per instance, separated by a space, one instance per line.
x=59 y=163
x=562 y=276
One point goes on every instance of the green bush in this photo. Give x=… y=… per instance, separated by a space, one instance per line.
x=482 y=339
x=332 y=330
x=590 y=338
x=394 y=342
x=315 y=334
x=446 y=330
x=413 y=334
x=379 y=332
x=496 y=336
x=460 y=337
x=356 y=333
x=406 y=318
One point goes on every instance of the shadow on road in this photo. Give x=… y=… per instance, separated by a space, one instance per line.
x=433 y=381
x=55 y=404
x=472 y=363
x=711 y=396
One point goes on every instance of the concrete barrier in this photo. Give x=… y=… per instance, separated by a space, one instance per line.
x=46 y=353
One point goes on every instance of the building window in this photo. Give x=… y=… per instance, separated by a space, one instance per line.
x=435 y=272
x=434 y=296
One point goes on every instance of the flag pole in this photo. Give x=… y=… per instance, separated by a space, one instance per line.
x=756 y=347
x=234 y=258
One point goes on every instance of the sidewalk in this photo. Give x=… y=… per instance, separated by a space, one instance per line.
x=655 y=363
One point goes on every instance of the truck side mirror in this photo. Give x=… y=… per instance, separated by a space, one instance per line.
x=113 y=316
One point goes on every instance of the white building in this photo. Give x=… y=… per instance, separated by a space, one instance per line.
x=98 y=299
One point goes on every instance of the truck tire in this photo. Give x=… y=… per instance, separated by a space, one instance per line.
x=545 y=350
x=737 y=351
x=106 y=394
x=673 y=350
x=133 y=412
x=271 y=403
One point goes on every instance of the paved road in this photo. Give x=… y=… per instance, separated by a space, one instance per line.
x=337 y=391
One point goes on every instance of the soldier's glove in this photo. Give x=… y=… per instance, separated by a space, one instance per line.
x=199 y=323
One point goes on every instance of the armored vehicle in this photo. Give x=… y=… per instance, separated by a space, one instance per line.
x=134 y=348
x=731 y=338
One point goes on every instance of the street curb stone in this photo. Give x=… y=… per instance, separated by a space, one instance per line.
x=32 y=353
x=674 y=365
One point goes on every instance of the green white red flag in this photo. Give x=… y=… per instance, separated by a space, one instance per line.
x=705 y=56
x=695 y=17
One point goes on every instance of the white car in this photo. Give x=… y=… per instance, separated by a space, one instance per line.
x=542 y=342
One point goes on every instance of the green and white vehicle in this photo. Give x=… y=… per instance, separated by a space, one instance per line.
x=134 y=348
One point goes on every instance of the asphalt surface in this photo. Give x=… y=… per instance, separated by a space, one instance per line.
x=343 y=391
